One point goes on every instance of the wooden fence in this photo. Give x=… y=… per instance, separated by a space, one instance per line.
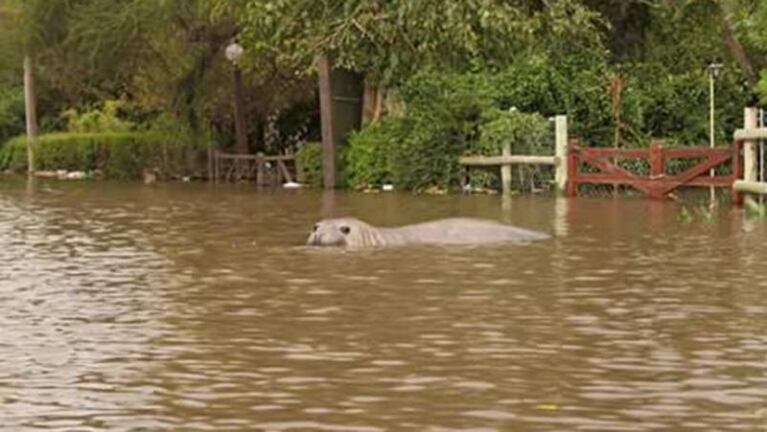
x=506 y=160
x=602 y=165
x=266 y=170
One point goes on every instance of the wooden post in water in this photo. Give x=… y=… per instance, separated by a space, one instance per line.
x=260 y=169
x=31 y=111
x=506 y=171
x=750 y=163
x=217 y=165
x=572 y=166
x=657 y=166
x=560 y=151
x=210 y=161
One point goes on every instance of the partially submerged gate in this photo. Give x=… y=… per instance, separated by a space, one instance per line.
x=602 y=166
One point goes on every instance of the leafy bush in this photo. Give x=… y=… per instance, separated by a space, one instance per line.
x=402 y=151
x=309 y=161
x=11 y=112
x=528 y=134
x=118 y=155
x=98 y=119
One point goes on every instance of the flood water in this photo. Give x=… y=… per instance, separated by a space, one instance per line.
x=126 y=307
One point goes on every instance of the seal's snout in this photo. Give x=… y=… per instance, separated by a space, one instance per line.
x=313 y=239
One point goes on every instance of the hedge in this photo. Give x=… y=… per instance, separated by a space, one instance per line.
x=121 y=155
x=309 y=160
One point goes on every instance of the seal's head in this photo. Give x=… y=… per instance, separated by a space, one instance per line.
x=342 y=232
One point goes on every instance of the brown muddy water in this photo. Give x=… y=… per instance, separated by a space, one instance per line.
x=188 y=307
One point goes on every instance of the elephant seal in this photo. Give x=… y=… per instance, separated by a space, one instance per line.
x=354 y=233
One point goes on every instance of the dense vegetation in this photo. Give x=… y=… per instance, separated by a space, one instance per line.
x=450 y=77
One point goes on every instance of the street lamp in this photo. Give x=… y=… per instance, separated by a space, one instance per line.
x=233 y=53
x=714 y=70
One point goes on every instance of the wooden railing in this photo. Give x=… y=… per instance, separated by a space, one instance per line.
x=262 y=168
x=658 y=183
x=506 y=160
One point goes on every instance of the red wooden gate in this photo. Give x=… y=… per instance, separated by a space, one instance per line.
x=658 y=184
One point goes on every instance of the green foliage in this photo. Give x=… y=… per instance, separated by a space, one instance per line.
x=309 y=160
x=369 y=153
x=527 y=134
x=99 y=119
x=11 y=111
x=391 y=40
x=412 y=153
x=762 y=86
x=118 y=155
x=676 y=106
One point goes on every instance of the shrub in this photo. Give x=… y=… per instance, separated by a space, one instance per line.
x=309 y=161
x=529 y=134
x=11 y=112
x=104 y=118
x=118 y=155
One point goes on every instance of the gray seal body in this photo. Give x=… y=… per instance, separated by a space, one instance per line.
x=354 y=233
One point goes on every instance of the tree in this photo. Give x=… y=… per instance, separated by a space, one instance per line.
x=391 y=39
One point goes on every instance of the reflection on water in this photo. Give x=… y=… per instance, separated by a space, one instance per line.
x=187 y=307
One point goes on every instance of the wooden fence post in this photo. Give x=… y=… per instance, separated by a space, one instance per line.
x=217 y=165
x=572 y=167
x=657 y=168
x=210 y=161
x=560 y=151
x=750 y=163
x=300 y=177
x=737 y=172
x=260 y=169
x=506 y=171
x=657 y=165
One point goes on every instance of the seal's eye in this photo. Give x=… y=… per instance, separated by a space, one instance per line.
x=316 y=227
x=345 y=230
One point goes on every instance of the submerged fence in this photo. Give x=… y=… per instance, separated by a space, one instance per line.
x=597 y=166
x=507 y=159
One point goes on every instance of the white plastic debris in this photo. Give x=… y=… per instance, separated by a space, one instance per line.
x=75 y=175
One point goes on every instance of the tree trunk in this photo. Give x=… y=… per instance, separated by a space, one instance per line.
x=379 y=108
x=372 y=103
x=369 y=99
x=324 y=67
x=240 y=124
x=31 y=111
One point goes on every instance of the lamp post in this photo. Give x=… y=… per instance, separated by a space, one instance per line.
x=714 y=69
x=233 y=53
